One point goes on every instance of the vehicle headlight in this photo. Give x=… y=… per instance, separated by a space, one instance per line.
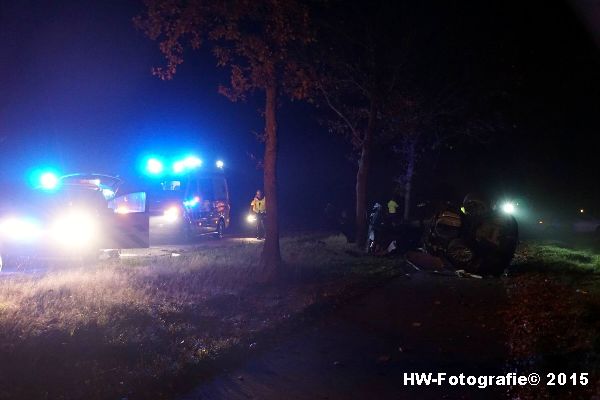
x=251 y=218
x=172 y=213
x=75 y=229
x=508 y=207
x=19 y=229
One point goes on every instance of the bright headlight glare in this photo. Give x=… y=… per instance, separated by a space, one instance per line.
x=251 y=218
x=74 y=229
x=19 y=229
x=508 y=207
x=171 y=214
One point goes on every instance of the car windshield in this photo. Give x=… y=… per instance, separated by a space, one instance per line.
x=171 y=185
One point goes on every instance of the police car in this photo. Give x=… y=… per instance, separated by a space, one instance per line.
x=187 y=200
x=73 y=216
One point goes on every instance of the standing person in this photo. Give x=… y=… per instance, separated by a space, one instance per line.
x=393 y=206
x=259 y=208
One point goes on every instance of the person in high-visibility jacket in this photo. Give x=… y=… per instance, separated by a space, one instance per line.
x=393 y=211
x=259 y=208
x=392 y=206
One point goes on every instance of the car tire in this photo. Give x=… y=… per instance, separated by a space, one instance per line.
x=462 y=256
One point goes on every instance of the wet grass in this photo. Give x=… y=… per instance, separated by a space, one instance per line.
x=552 y=317
x=134 y=328
x=556 y=257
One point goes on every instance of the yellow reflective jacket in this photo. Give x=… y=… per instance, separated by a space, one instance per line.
x=259 y=205
x=392 y=207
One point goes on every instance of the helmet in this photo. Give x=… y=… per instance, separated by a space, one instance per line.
x=474 y=204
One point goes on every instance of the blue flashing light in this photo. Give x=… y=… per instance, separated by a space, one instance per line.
x=191 y=202
x=178 y=167
x=154 y=166
x=220 y=164
x=49 y=180
x=186 y=164
x=192 y=162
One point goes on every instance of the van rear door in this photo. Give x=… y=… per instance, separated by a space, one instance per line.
x=129 y=226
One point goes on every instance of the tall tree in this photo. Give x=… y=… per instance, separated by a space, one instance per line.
x=419 y=122
x=359 y=67
x=259 y=41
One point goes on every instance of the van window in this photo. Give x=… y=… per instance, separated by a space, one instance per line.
x=171 y=185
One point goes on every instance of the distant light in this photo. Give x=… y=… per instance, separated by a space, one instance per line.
x=508 y=208
x=192 y=162
x=220 y=164
x=154 y=166
x=582 y=211
x=48 y=180
x=540 y=222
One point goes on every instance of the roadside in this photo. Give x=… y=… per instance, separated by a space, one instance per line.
x=552 y=317
x=158 y=325
x=542 y=319
x=141 y=327
x=417 y=323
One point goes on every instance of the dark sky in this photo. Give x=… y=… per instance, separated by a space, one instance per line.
x=76 y=92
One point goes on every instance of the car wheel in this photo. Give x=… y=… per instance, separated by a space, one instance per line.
x=461 y=255
x=220 y=229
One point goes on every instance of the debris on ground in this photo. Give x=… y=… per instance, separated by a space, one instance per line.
x=461 y=273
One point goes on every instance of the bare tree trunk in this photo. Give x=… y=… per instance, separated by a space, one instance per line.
x=408 y=177
x=362 y=178
x=271 y=256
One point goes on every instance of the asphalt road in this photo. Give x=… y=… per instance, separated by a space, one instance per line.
x=420 y=323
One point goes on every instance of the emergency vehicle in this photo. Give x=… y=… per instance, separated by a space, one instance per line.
x=73 y=216
x=188 y=201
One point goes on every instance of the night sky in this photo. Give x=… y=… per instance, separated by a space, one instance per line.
x=76 y=92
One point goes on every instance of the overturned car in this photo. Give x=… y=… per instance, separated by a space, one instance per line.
x=475 y=237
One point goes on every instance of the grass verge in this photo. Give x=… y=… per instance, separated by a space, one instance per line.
x=554 y=257
x=552 y=318
x=143 y=328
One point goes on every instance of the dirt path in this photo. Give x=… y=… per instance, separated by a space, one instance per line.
x=421 y=323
